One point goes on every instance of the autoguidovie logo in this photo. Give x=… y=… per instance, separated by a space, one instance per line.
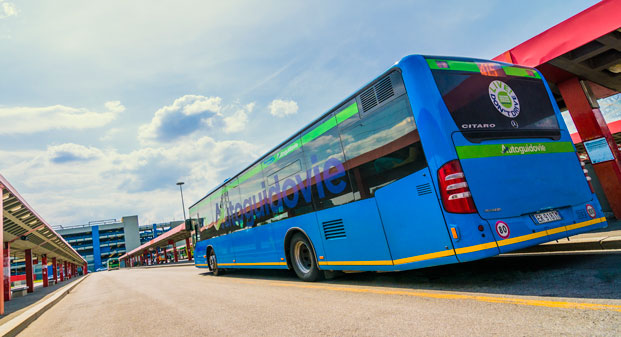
x=522 y=149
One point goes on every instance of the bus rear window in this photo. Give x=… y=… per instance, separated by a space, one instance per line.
x=491 y=104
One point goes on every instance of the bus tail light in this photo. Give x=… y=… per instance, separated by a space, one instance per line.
x=454 y=189
x=586 y=174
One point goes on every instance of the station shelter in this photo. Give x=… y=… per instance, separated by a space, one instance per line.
x=156 y=251
x=581 y=60
x=26 y=236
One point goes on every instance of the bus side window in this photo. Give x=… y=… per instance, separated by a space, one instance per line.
x=285 y=174
x=323 y=154
x=382 y=147
x=251 y=190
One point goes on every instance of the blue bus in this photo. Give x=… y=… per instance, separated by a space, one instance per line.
x=439 y=160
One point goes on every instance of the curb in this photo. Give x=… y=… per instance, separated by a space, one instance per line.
x=577 y=244
x=21 y=321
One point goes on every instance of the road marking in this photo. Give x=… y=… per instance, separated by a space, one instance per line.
x=489 y=299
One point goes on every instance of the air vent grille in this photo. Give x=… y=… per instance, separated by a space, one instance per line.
x=368 y=99
x=423 y=189
x=377 y=94
x=384 y=90
x=334 y=229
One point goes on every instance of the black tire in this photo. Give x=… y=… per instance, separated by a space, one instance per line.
x=213 y=263
x=303 y=259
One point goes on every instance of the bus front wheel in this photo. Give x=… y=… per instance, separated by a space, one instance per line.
x=213 y=264
x=303 y=259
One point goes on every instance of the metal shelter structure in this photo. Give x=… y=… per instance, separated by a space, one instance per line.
x=581 y=60
x=25 y=234
x=149 y=252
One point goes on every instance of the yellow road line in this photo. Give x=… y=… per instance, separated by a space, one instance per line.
x=489 y=299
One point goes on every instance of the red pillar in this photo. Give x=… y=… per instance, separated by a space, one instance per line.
x=44 y=270
x=65 y=271
x=175 y=251
x=188 y=249
x=85 y=268
x=2 y=240
x=591 y=125
x=55 y=270
x=6 y=262
x=29 y=273
x=61 y=271
x=165 y=255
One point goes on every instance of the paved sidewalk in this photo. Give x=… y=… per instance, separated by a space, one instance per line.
x=597 y=240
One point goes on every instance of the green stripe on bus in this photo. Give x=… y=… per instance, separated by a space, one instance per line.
x=515 y=71
x=324 y=127
x=454 y=65
x=500 y=150
x=346 y=113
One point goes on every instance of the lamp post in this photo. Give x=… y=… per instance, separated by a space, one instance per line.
x=183 y=206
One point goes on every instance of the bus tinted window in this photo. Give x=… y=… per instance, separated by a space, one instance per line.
x=253 y=203
x=501 y=106
x=382 y=147
x=286 y=177
x=323 y=156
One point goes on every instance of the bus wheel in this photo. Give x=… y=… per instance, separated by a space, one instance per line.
x=213 y=264
x=303 y=259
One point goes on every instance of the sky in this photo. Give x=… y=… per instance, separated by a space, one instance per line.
x=104 y=106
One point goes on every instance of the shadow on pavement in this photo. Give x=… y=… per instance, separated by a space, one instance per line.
x=596 y=276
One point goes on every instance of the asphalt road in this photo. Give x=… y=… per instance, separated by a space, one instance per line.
x=522 y=296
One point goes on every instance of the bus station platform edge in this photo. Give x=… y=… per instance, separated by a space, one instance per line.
x=13 y=323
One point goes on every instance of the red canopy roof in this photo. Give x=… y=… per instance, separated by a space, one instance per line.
x=582 y=28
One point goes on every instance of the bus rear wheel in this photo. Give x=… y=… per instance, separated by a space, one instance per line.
x=303 y=259
x=213 y=263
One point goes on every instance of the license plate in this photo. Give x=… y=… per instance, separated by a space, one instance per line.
x=547 y=217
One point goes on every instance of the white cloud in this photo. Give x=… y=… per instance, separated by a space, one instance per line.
x=26 y=120
x=7 y=9
x=192 y=113
x=280 y=108
x=104 y=183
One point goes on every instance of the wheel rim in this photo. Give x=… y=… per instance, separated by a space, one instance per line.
x=303 y=258
x=212 y=261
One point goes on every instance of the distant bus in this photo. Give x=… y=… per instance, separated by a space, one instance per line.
x=439 y=160
x=113 y=264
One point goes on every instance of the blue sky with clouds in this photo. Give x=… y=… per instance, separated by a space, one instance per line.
x=104 y=106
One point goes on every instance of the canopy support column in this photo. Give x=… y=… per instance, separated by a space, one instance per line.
x=590 y=123
x=188 y=249
x=29 y=273
x=44 y=270
x=55 y=270
x=6 y=262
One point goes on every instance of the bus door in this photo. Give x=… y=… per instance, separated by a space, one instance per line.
x=413 y=221
x=519 y=164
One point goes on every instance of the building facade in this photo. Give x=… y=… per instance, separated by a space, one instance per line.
x=98 y=241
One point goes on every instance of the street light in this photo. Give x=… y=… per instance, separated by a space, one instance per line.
x=182 y=204
x=194 y=239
